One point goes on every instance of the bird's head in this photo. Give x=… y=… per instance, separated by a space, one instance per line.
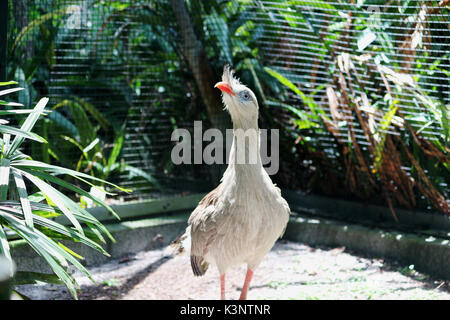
x=239 y=100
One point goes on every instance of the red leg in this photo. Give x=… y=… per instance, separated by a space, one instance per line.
x=248 y=278
x=222 y=286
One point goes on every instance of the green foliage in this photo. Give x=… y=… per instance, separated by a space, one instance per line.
x=145 y=39
x=377 y=115
x=76 y=125
x=27 y=213
x=113 y=282
x=381 y=134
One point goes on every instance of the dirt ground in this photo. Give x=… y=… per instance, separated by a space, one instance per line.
x=290 y=271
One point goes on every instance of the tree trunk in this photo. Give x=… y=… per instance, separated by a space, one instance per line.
x=21 y=20
x=201 y=68
x=204 y=77
x=3 y=38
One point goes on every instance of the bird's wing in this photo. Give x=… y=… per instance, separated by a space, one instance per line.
x=203 y=222
x=286 y=208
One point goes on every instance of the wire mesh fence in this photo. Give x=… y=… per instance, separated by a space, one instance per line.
x=359 y=90
x=111 y=86
x=378 y=76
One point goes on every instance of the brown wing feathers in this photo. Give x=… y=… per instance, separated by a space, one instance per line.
x=199 y=265
x=201 y=230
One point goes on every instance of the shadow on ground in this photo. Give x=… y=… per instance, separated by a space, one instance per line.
x=290 y=271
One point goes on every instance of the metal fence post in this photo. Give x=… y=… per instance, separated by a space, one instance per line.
x=3 y=37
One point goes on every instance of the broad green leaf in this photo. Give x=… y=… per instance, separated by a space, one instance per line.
x=49 y=246
x=61 y=121
x=29 y=123
x=55 y=196
x=98 y=234
x=285 y=81
x=91 y=145
x=4 y=178
x=11 y=104
x=8 y=91
x=249 y=64
x=75 y=189
x=14 y=208
x=22 y=190
x=60 y=199
x=133 y=171
x=118 y=143
x=60 y=170
x=29 y=277
x=19 y=111
x=5 y=143
x=20 y=133
x=70 y=251
x=7 y=83
x=299 y=113
x=313 y=106
x=39 y=242
x=4 y=244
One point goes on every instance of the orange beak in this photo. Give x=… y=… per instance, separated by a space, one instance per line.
x=225 y=87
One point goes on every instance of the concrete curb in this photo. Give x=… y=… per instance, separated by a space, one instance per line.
x=364 y=213
x=429 y=255
x=131 y=237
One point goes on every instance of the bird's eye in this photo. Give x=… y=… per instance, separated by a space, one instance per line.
x=245 y=96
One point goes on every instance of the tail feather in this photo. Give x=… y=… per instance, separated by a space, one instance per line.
x=199 y=265
x=182 y=244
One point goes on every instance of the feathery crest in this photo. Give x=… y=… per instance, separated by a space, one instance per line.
x=228 y=76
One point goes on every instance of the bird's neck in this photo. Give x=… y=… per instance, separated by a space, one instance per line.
x=245 y=123
x=245 y=159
